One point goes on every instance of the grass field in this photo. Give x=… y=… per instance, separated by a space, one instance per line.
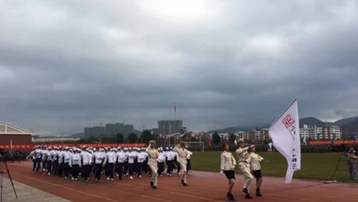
x=318 y=166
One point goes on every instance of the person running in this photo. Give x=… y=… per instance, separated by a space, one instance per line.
x=227 y=167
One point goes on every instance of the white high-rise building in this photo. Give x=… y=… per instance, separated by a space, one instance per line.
x=321 y=133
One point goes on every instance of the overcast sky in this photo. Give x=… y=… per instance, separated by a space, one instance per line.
x=65 y=64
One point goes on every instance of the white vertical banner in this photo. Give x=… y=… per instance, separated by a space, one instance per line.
x=285 y=134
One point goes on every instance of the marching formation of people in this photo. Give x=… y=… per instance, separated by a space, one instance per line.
x=80 y=163
x=249 y=165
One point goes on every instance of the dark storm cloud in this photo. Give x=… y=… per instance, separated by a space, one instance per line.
x=66 y=64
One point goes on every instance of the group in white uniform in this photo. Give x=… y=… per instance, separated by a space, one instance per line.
x=80 y=163
x=249 y=166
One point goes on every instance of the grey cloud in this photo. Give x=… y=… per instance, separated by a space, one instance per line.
x=66 y=64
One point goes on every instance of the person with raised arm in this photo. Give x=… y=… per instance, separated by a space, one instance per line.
x=153 y=155
x=182 y=153
x=244 y=165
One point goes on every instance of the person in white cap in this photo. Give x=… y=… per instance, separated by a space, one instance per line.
x=170 y=158
x=145 y=167
x=142 y=155
x=152 y=162
x=132 y=155
x=125 y=170
x=111 y=158
x=161 y=160
x=121 y=158
x=66 y=161
x=86 y=164
x=75 y=163
x=188 y=165
x=244 y=165
x=180 y=149
x=98 y=160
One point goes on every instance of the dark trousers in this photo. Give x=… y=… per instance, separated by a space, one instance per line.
x=131 y=168
x=55 y=167
x=188 y=165
x=169 y=166
x=34 y=161
x=145 y=167
x=66 y=169
x=160 y=168
x=110 y=170
x=98 y=169
x=106 y=170
x=120 y=169
x=44 y=163
x=49 y=166
x=38 y=164
x=60 y=169
x=139 y=168
x=125 y=171
x=75 y=170
x=85 y=170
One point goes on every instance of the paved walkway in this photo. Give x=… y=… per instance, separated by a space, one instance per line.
x=26 y=193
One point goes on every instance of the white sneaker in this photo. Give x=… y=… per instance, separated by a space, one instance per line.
x=107 y=178
x=49 y=174
x=130 y=177
x=111 y=179
x=140 y=176
x=73 y=178
x=117 y=175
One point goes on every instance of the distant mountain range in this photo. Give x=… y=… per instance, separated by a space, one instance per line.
x=346 y=124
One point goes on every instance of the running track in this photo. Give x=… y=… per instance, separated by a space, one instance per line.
x=203 y=186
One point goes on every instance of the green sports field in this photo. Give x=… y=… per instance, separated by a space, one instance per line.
x=319 y=166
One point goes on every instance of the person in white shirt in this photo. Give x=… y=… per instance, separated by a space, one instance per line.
x=176 y=161
x=98 y=161
x=142 y=155
x=45 y=153
x=75 y=163
x=121 y=158
x=244 y=165
x=170 y=158
x=66 y=161
x=152 y=162
x=50 y=156
x=86 y=164
x=60 y=161
x=145 y=167
x=38 y=155
x=32 y=155
x=160 y=161
x=126 y=152
x=256 y=169
x=227 y=166
x=111 y=159
x=188 y=165
x=132 y=155
x=182 y=159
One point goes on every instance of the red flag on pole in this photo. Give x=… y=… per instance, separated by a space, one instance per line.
x=175 y=107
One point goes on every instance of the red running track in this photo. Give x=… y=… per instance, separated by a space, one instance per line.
x=203 y=186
